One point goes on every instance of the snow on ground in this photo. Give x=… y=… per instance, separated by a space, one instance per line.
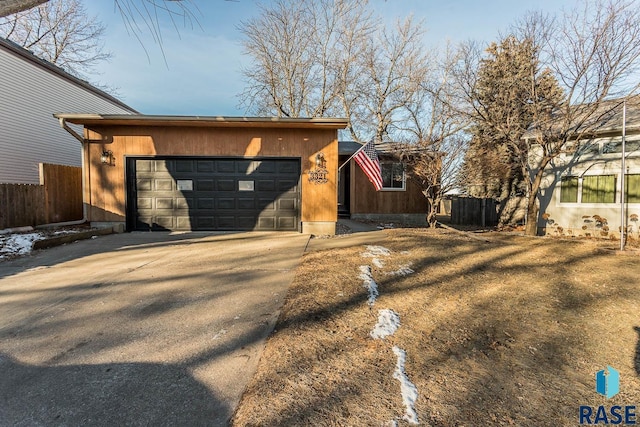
x=388 y=324
x=407 y=388
x=404 y=270
x=375 y=252
x=18 y=244
x=369 y=283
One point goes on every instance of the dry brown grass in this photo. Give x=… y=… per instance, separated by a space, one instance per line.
x=503 y=333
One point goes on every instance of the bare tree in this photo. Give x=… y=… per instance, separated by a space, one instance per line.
x=9 y=7
x=393 y=66
x=301 y=53
x=139 y=16
x=61 y=32
x=435 y=133
x=595 y=55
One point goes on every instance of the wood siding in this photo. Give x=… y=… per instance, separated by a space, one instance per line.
x=29 y=134
x=364 y=199
x=106 y=192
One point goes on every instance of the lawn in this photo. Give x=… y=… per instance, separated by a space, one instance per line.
x=506 y=332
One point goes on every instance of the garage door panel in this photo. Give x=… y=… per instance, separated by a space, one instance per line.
x=215 y=194
x=225 y=166
x=245 y=223
x=288 y=167
x=286 y=185
x=184 y=203
x=163 y=184
x=183 y=223
x=247 y=204
x=185 y=166
x=267 y=223
x=287 y=204
x=202 y=203
x=162 y=165
x=226 y=203
x=144 y=184
x=266 y=167
x=204 y=223
x=164 y=203
x=226 y=222
x=266 y=185
x=205 y=166
x=226 y=185
x=145 y=203
x=205 y=185
x=165 y=222
x=286 y=223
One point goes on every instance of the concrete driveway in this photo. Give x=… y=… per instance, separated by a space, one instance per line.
x=139 y=328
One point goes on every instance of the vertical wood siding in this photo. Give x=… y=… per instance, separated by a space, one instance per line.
x=107 y=187
x=365 y=199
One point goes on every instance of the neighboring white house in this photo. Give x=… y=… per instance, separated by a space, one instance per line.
x=31 y=90
x=582 y=189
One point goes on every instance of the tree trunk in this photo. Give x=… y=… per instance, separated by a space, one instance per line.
x=432 y=214
x=531 y=228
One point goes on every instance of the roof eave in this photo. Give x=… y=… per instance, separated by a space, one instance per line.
x=200 y=121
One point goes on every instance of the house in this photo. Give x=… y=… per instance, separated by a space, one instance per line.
x=31 y=90
x=147 y=172
x=400 y=200
x=581 y=191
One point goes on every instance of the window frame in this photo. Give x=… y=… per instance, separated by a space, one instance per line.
x=404 y=175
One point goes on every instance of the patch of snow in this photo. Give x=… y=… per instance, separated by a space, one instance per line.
x=388 y=324
x=369 y=283
x=402 y=271
x=407 y=388
x=18 y=244
x=376 y=251
x=377 y=262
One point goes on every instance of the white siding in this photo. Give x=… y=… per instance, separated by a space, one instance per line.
x=29 y=134
x=576 y=219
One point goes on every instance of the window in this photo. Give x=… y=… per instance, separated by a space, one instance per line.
x=569 y=189
x=632 y=188
x=599 y=189
x=393 y=177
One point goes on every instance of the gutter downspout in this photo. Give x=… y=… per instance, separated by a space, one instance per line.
x=65 y=126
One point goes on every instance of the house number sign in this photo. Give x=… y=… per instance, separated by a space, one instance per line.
x=319 y=175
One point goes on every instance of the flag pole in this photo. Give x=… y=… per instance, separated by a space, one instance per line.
x=622 y=177
x=351 y=157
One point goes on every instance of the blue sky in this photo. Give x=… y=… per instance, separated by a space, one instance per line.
x=202 y=71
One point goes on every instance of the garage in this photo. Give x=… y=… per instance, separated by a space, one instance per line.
x=208 y=173
x=213 y=193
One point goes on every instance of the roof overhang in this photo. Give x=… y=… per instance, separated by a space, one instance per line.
x=201 y=121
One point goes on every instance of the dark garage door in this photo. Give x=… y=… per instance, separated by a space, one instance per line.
x=213 y=194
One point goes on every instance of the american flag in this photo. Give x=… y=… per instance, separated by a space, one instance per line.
x=367 y=158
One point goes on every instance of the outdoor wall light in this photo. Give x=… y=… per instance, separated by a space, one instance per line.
x=320 y=160
x=106 y=157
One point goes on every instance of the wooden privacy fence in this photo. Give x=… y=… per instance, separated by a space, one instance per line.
x=58 y=198
x=472 y=211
